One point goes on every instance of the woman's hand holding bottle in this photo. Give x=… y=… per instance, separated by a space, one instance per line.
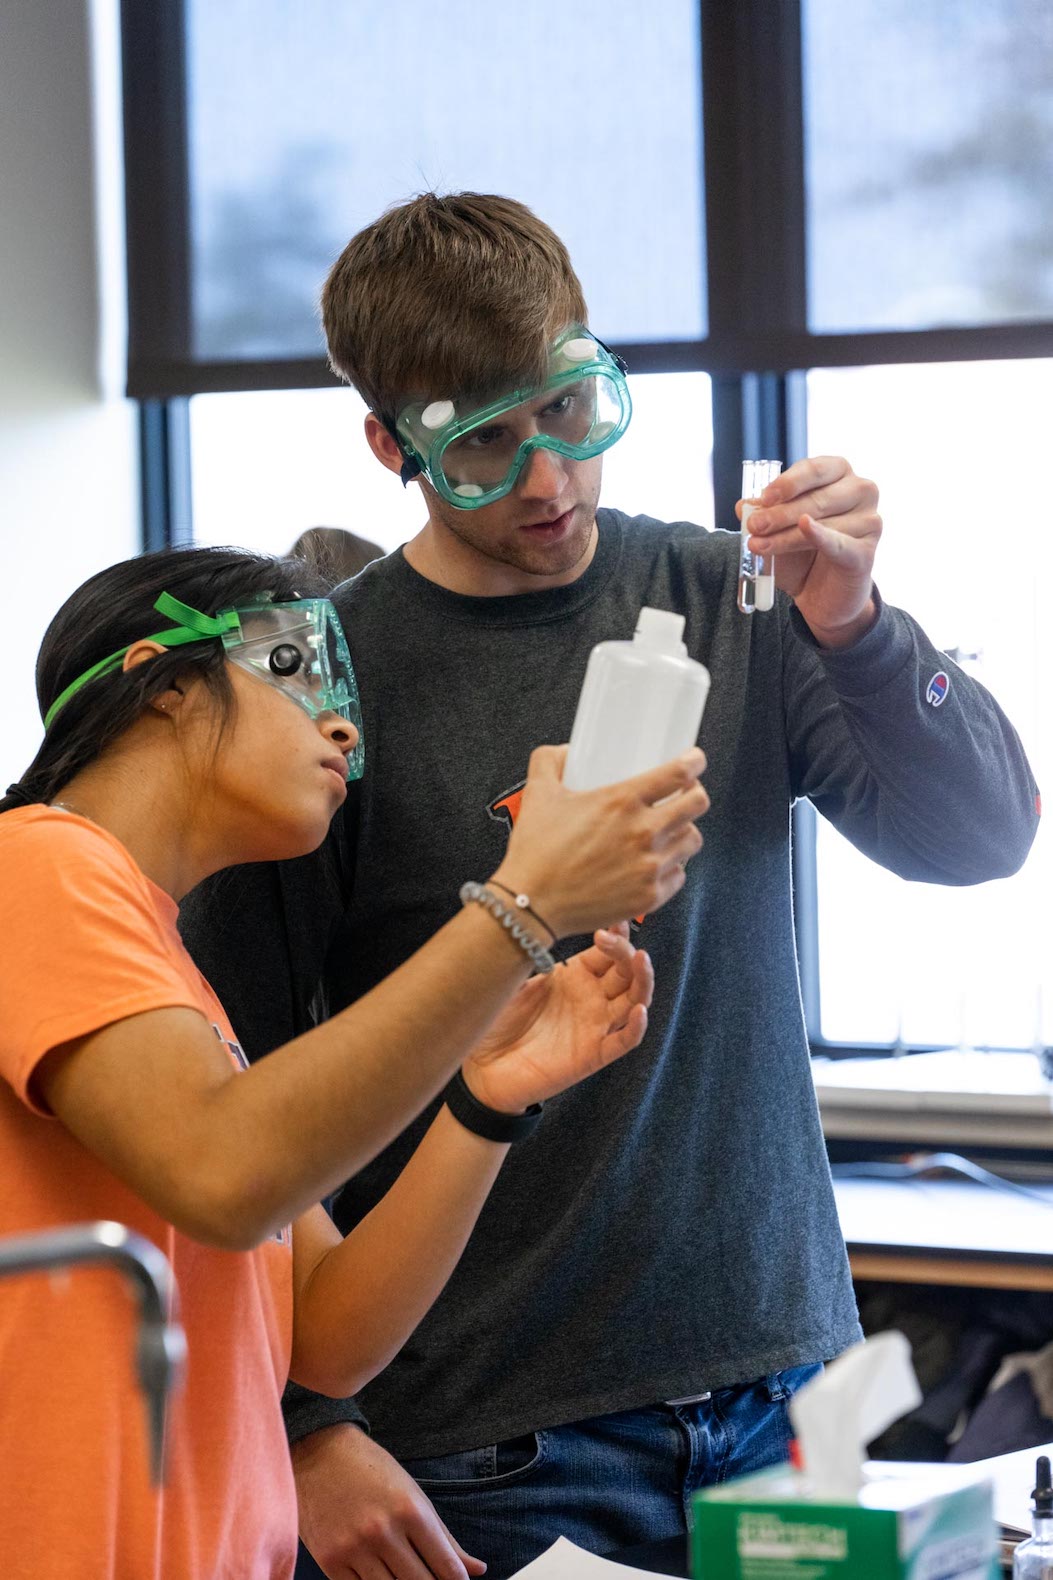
x=588 y=859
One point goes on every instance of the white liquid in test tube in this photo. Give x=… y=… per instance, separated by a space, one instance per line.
x=756 y=576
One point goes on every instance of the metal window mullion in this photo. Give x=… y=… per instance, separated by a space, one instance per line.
x=755 y=240
x=164 y=474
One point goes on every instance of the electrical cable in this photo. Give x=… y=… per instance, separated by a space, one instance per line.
x=933 y=1162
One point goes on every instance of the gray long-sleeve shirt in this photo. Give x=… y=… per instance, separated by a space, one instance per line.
x=670 y=1226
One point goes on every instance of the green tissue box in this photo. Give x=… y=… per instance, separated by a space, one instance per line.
x=911 y=1523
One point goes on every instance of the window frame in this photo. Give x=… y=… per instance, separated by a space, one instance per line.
x=753 y=176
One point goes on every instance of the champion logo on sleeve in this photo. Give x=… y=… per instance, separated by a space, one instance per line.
x=937 y=689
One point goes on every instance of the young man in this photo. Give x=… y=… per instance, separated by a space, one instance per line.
x=660 y=1265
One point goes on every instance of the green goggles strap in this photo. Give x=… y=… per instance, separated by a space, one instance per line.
x=193 y=621
x=192 y=626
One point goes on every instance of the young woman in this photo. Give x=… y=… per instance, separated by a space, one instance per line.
x=200 y=712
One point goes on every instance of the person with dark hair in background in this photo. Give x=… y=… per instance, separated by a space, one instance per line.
x=200 y=711
x=663 y=1267
x=334 y=554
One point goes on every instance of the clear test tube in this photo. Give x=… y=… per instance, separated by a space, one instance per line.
x=756 y=575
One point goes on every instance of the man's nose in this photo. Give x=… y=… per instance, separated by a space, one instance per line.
x=543 y=475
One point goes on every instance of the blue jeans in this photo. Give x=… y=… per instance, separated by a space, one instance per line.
x=613 y=1481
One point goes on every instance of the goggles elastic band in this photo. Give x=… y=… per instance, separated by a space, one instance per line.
x=260 y=637
x=193 y=626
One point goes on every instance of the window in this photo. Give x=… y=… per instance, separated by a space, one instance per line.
x=244 y=185
x=306 y=143
x=269 y=464
x=929 y=134
x=954 y=448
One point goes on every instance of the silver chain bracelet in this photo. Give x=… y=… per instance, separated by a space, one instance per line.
x=478 y=894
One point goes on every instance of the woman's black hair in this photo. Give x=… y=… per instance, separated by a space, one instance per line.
x=116 y=608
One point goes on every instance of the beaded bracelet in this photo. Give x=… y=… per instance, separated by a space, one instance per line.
x=523 y=902
x=479 y=894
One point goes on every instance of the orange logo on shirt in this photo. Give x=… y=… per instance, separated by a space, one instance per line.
x=506 y=808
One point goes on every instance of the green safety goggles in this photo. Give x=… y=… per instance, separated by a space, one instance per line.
x=472 y=452
x=297 y=647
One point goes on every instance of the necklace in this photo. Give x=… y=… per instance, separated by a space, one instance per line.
x=63 y=806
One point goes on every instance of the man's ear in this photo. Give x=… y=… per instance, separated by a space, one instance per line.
x=382 y=444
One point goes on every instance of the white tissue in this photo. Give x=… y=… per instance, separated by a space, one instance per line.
x=836 y=1415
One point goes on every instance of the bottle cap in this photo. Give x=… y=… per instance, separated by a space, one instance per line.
x=1042 y=1497
x=659 y=629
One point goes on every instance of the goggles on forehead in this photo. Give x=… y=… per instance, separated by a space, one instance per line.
x=297 y=647
x=472 y=452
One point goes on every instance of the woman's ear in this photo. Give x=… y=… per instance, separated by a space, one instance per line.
x=139 y=653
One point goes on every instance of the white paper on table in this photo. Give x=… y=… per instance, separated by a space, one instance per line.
x=1014 y=1477
x=1011 y=1475
x=565 y=1561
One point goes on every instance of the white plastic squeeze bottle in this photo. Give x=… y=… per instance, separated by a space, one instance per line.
x=641 y=704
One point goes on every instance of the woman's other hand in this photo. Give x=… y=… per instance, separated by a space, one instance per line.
x=561 y=1027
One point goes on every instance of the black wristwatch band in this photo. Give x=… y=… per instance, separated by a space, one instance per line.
x=490 y=1123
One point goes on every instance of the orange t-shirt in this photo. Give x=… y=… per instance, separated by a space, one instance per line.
x=85 y=940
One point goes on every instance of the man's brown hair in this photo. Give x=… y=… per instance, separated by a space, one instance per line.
x=446 y=296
